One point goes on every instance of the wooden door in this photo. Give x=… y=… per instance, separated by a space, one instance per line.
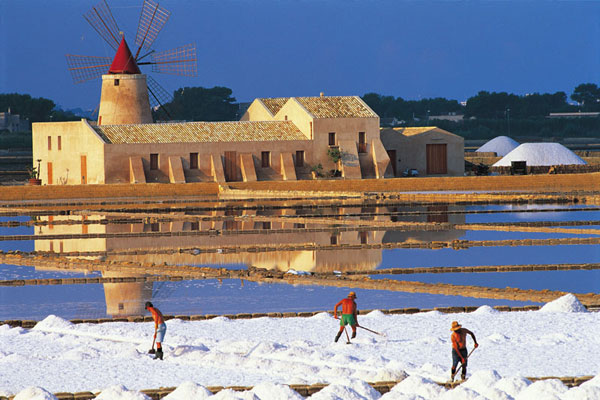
x=49 y=174
x=436 y=159
x=362 y=142
x=83 y=170
x=393 y=160
x=231 y=166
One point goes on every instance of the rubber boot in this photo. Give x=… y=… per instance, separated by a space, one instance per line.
x=452 y=374
x=159 y=354
x=353 y=334
x=338 y=336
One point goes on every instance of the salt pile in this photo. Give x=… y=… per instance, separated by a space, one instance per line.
x=544 y=154
x=567 y=303
x=501 y=145
x=35 y=393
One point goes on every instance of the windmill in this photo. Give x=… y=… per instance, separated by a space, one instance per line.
x=127 y=94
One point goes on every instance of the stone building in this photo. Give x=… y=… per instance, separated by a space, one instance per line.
x=13 y=122
x=430 y=150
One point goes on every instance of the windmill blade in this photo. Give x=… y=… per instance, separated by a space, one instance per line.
x=152 y=20
x=101 y=19
x=158 y=96
x=87 y=68
x=178 y=61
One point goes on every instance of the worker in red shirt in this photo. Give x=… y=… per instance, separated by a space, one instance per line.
x=160 y=328
x=459 y=348
x=349 y=314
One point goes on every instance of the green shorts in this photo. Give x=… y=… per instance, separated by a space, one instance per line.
x=347 y=319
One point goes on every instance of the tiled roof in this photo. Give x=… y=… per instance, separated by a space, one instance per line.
x=275 y=104
x=336 y=107
x=414 y=130
x=193 y=132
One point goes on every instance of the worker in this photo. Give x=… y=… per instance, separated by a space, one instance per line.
x=349 y=314
x=459 y=348
x=160 y=328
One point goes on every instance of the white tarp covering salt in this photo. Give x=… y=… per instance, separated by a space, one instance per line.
x=501 y=145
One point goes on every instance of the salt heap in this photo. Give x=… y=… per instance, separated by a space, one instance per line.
x=566 y=303
x=541 y=154
x=501 y=145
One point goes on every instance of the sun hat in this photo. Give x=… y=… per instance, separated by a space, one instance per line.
x=352 y=294
x=455 y=326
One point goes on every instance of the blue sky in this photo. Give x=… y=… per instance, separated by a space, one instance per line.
x=271 y=48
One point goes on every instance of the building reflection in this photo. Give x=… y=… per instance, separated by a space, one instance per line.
x=233 y=228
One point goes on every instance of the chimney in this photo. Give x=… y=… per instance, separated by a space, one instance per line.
x=322 y=94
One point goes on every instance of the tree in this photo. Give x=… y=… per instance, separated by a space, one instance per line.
x=202 y=104
x=588 y=95
x=36 y=109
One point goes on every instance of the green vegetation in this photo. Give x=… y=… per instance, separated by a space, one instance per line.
x=202 y=104
x=487 y=115
x=37 y=109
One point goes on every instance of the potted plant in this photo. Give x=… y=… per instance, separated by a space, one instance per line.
x=34 y=175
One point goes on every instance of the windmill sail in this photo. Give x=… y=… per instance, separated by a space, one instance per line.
x=101 y=19
x=158 y=96
x=152 y=20
x=87 y=68
x=178 y=61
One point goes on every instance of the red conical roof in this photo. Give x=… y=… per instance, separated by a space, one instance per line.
x=124 y=63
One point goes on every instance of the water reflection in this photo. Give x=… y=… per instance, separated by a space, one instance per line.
x=242 y=228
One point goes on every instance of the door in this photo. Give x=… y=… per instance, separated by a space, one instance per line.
x=393 y=160
x=436 y=159
x=230 y=166
x=362 y=142
x=83 y=170
x=49 y=174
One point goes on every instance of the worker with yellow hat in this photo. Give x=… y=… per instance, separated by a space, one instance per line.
x=349 y=314
x=459 y=348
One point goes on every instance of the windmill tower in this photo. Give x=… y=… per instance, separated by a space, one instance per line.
x=127 y=95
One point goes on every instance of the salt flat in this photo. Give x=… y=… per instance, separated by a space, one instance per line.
x=559 y=340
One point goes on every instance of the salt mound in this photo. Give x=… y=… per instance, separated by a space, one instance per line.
x=189 y=391
x=567 y=303
x=375 y=314
x=359 y=386
x=53 y=322
x=482 y=379
x=541 y=154
x=462 y=393
x=418 y=386
x=582 y=393
x=501 y=145
x=34 y=393
x=485 y=310
x=230 y=394
x=595 y=381
x=512 y=385
x=339 y=392
x=550 y=389
x=120 y=392
x=267 y=390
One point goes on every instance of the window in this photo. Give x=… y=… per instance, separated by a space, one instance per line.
x=193 y=160
x=266 y=159
x=196 y=226
x=285 y=117
x=59 y=145
x=153 y=161
x=332 y=138
x=116 y=82
x=266 y=225
x=49 y=142
x=300 y=158
x=155 y=227
x=333 y=240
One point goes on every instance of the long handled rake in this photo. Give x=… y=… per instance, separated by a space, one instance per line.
x=372 y=331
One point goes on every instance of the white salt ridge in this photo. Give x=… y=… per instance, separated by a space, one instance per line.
x=120 y=392
x=53 y=322
x=189 y=391
x=501 y=145
x=567 y=303
x=483 y=310
x=551 y=389
x=541 y=154
x=34 y=393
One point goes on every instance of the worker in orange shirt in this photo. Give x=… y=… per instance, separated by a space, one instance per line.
x=459 y=348
x=349 y=314
x=160 y=328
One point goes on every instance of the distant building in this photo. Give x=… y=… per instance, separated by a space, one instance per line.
x=13 y=122
x=574 y=115
x=447 y=117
